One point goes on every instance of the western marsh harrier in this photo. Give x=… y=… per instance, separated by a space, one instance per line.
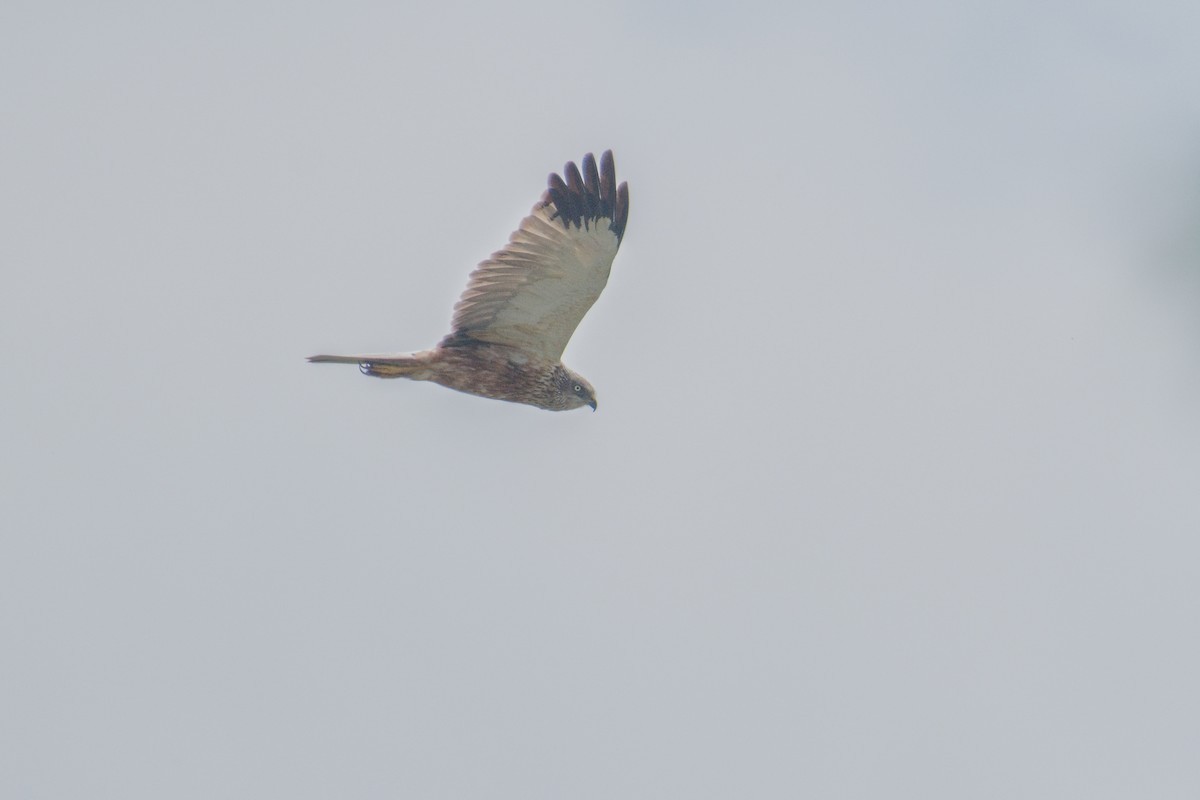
x=521 y=305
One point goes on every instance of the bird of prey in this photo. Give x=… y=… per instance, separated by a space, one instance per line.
x=521 y=305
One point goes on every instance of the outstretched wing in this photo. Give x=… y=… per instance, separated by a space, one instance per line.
x=532 y=294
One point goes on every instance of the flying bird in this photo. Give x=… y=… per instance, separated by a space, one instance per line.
x=523 y=303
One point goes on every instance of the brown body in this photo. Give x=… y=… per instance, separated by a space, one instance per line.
x=487 y=370
x=521 y=305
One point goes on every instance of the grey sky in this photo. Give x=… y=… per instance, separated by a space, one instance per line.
x=894 y=490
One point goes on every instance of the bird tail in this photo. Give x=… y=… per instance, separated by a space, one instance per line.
x=407 y=366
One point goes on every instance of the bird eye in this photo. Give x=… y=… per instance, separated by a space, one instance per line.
x=578 y=388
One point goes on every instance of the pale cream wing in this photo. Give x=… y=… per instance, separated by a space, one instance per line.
x=532 y=294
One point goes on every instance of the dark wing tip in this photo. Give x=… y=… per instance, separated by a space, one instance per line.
x=580 y=207
x=591 y=176
x=582 y=198
x=608 y=182
x=621 y=212
x=556 y=192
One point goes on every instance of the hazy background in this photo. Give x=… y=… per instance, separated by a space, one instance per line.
x=894 y=489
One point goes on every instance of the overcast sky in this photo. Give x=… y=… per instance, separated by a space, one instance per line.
x=894 y=488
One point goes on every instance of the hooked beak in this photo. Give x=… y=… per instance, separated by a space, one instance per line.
x=593 y=405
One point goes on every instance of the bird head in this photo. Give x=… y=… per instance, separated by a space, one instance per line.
x=574 y=390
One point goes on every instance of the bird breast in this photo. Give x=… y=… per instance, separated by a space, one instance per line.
x=499 y=372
